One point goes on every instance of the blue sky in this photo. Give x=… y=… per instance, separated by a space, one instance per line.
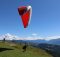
x=45 y=19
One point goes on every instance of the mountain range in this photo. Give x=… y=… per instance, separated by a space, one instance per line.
x=14 y=37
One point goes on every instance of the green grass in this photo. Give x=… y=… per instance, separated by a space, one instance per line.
x=17 y=51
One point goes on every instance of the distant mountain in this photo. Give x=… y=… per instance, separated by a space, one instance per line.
x=54 y=41
x=9 y=36
x=37 y=41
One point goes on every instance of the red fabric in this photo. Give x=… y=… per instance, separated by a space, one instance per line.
x=25 y=18
x=22 y=10
x=25 y=15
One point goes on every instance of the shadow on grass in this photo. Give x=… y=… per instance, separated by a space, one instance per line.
x=4 y=49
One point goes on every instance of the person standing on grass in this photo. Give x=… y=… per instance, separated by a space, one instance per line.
x=24 y=47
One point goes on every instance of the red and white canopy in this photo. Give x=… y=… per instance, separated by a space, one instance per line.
x=25 y=13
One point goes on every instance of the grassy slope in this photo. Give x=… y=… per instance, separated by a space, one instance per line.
x=17 y=51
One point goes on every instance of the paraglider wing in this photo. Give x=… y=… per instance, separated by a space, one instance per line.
x=25 y=13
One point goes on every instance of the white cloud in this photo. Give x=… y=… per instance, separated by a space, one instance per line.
x=37 y=38
x=14 y=37
x=33 y=36
x=52 y=37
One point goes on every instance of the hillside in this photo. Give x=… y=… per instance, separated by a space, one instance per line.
x=15 y=50
x=50 y=48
